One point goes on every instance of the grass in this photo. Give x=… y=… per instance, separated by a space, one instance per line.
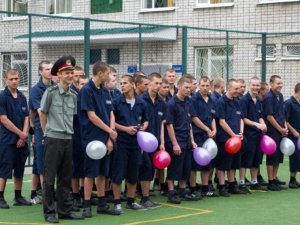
x=259 y=208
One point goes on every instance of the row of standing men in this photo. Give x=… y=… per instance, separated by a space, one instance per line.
x=181 y=118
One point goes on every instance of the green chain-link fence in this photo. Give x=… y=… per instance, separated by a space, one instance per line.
x=131 y=47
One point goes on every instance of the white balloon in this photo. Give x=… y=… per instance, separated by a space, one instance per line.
x=211 y=146
x=287 y=146
x=96 y=150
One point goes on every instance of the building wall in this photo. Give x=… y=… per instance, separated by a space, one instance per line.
x=243 y=15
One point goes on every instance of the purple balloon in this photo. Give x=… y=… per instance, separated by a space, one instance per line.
x=147 y=141
x=298 y=143
x=267 y=145
x=201 y=156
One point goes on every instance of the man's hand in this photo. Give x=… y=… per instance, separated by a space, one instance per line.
x=176 y=149
x=109 y=146
x=113 y=135
x=20 y=143
x=131 y=130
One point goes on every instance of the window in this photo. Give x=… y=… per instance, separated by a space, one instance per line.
x=58 y=6
x=291 y=50
x=17 y=61
x=154 y=4
x=113 y=56
x=276 y=1
x=211 y=3
x=211 y=62
x=270 y=51
x=106 y=6
x=20 y=6
x=95 y=55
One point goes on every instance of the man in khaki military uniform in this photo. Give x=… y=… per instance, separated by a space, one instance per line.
x=58 y=106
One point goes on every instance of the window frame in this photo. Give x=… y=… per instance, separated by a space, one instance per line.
x=14 y=61
x=60 y=14
x=213 y=5
x=13 y=16
x=158 y=9
x=210 y=58
x=268 y=57
x=260 y=2
x=285 y=56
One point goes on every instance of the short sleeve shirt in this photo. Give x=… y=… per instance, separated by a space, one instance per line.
x=16 y=110
x=96 y=100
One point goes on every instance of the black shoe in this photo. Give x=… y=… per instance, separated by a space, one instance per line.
x=258 y=187
x=236 y=191
x=210 y=194
x=51 y=219
x=247 y=182
x=21 y=201
x=273 y=187
x=223 y=192
x=107 y=210
x=189 y=197
x=87 y=212
x=244 y=189
x=3 y=204
x=279 y=181
x=281 y=187
x=77 y=203
x=293 y=185
x=174 y=200
x=261 y=181
x=71 y=216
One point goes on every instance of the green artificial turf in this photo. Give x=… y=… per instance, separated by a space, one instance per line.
x=258 y=208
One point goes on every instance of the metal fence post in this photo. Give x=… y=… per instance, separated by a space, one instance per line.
x=87 y=33
x=227 y=55
x=140 y=48
x=263 y=56
x=29 y=74
x=184 y=49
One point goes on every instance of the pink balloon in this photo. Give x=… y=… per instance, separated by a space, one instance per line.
x=267 y=145
x=298 y=143
x=147 y=141
x=201 y=156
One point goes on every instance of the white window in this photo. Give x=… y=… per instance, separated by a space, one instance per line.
x=291 y=50
x=20 y=6
x=212 y=62
x=16 y=60
x=214 y=3
x=270 y=51
x=58 y=6
x=156 y=4
x=276 y=1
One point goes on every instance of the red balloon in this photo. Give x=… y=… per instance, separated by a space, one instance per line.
x=161 y=159
x=233 y=145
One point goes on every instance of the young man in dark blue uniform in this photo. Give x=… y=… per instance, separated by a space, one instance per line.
x=97 y=123
x=78 y=150
x=35 y=97
x=254 y=128
x=277 y=128
x=13 y=137
x=181 y=141
x=131 y=116
x=204 y=127
x=170 y=76
x=230 y=121
x=156 y=108
x=292 y=110
x=218 y=88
